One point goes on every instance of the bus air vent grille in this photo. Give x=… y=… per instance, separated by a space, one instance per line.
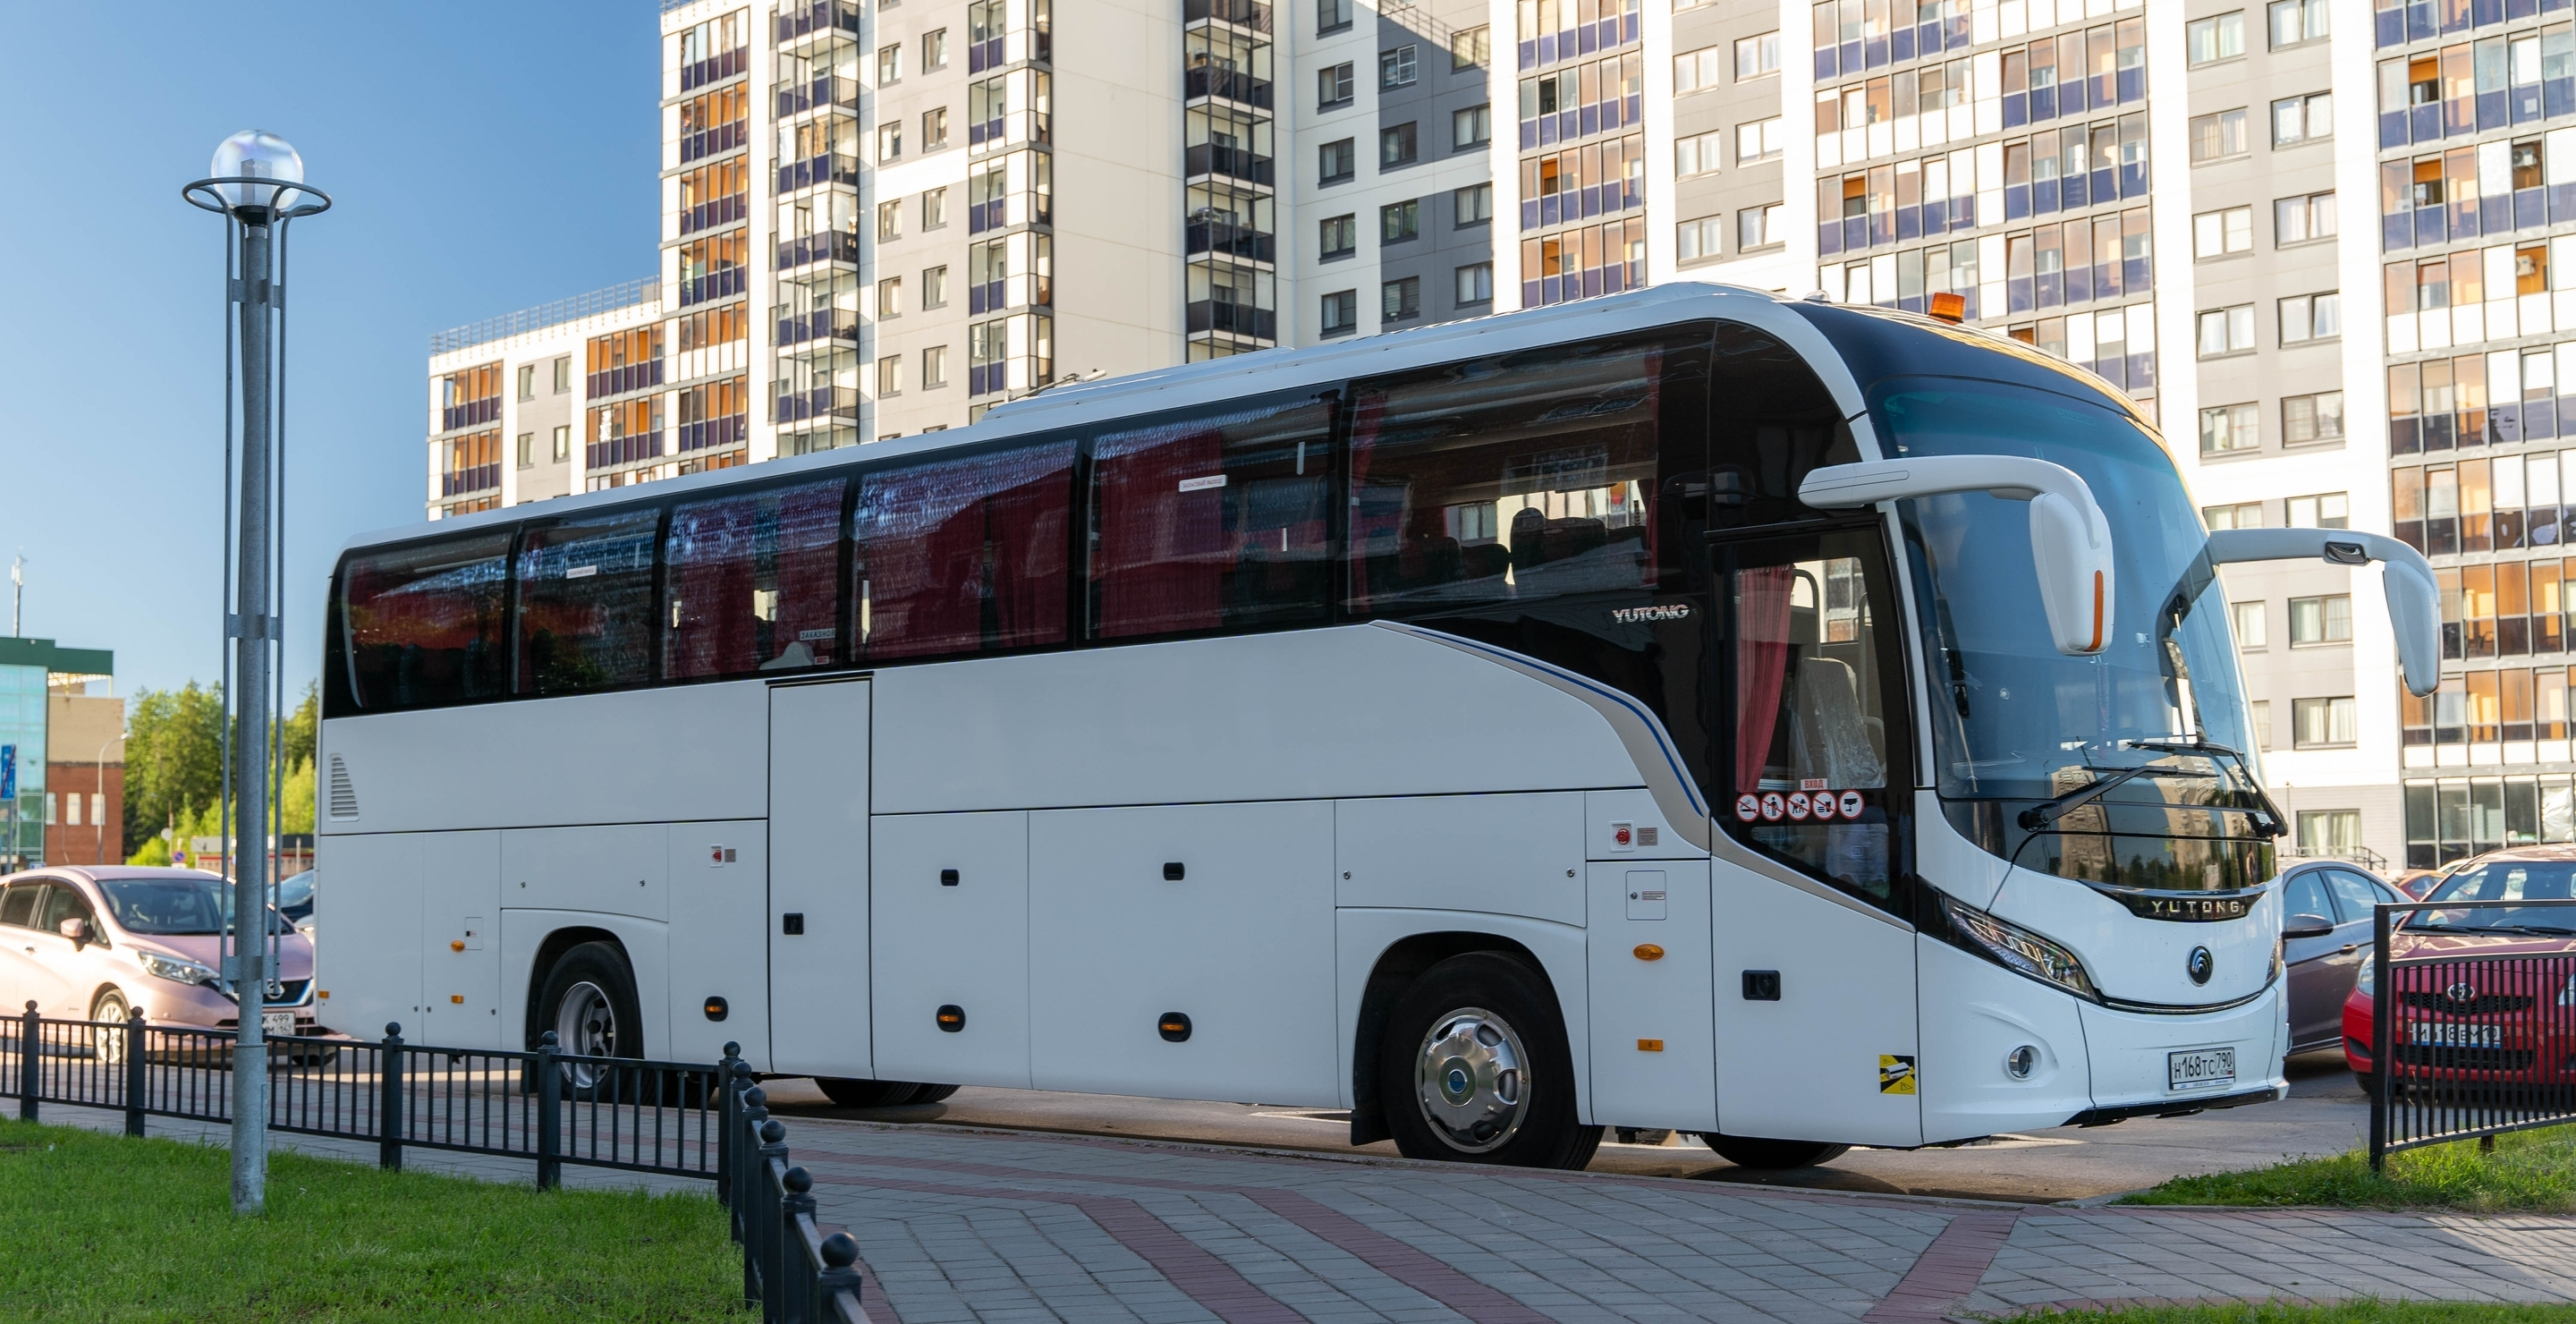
x=344 y=794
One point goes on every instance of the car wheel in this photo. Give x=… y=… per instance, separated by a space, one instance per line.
x=1474 y=1068
x=1752 y=1152
x=589 y=1002
x=109 y=1045
x=845 y=1093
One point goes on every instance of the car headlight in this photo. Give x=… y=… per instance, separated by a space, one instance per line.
x=2365 y=977
x=2020 y=949
x=2567 y=995
x=177 y=968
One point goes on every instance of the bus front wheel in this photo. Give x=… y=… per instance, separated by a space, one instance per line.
x=1474 y=1068
x=1751 y=1152
x=589 y=1002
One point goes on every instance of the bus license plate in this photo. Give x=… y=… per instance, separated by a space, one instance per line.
x=2449 y=1034
x=2200 y=1068
x=273 y=1023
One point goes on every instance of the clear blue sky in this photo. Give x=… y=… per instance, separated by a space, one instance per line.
x=484 y=157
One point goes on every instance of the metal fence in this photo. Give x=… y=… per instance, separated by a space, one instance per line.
x=797 y=1273
x=550 y=1107
x=2473 y=1029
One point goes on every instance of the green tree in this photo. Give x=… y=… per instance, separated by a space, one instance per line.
x=173 y=758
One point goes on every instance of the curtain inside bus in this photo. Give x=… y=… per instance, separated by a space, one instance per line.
x=1209 y=523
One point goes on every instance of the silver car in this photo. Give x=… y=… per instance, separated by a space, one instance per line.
x=93 y=943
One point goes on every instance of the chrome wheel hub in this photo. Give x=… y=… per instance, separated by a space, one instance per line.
x=1472 y=1080
x=586 y=1026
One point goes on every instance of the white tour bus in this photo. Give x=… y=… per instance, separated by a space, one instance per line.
x=1799 y=725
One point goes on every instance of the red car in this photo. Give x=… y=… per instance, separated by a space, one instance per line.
x=2512 y=1023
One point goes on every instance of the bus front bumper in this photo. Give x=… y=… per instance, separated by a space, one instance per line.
x=2156 y=1064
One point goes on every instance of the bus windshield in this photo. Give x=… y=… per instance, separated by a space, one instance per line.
x=2016 y=720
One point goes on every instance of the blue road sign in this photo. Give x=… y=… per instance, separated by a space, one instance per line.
x=8 y=772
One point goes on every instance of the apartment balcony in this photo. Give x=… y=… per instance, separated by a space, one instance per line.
x=1227 y=84
x=1240 y=319
x=821 y=324
x=829 y=246
x=469 y=414
x=993 y=296
x=1234 y=162
x=723 y=284
x=617 y=381
x=714 y=212
x=714 y=68
x=715 y=433
x=480 y=478
x=1240 y=241
x=715 y=141
x=820 y=16
x=832 y=168
x=821 y=93
x=1241 y=13
x=990 y=53
x=622 y=450
x=819 y=402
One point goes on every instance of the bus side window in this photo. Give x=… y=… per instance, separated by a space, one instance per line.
x=586 y=603
x=1771 y=421
x=1213 y=522
x=752 y=582
x=426 y=625
x=964 y=556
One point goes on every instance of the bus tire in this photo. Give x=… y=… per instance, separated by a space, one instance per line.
x=932 y=1094
x=1753 y=1152
x=589 y=1002
x=1473 y=1068
x=847 y=1093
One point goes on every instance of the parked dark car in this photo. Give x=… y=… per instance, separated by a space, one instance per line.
x=2325 y=932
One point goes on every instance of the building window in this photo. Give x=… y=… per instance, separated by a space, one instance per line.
x=2296 y=21
x=1399 y=221
x=527 y=381
x=2321 y=723
x=1698 y=155
x=890 y=375
x=2226 y=331
x=1396 y=68
x=1699 y=70
x=2329 y=832
x=1760 y=227
x=889 y=65
x=934 y=50
x=1333 y=87
x=2210 y=40
x=1472 y=127
x=2244 y=515
x=2262 y=723
x=1332 y=16
x=889 y=221
x=934 y=367
x=934 y=208
x=2219 y=233
x=563 y=374
x=890 y=297
x=2306 y=317
x=1335 y=161
x=2300 y=220
x=1475 y=204
x=934 y=130
x=2304 y=119
x=2216 y=137
x=2321 y=620
x=527 y=450
x=2325 y=510
x=890 y=141
x=1760 y=140
x=1756 y=56
x=1341 y=312
x=1340 y=236
x=1475 y=283
x=2312 y=419
x=2227 y=429
x=2247 y=618
x=1470 y=49
x=1400 y=299
x=1700 y=240
x=934 y=287
x=563 y=442
x=1396 y=146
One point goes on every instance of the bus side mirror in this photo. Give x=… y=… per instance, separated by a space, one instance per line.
x=2070 y=541
x=2414 y=600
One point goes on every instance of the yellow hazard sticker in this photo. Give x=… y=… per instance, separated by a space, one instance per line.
x=1895 y=1074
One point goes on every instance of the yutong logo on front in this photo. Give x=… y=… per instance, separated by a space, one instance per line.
x=2199 y=965
x=1671 y=611
x=2186 y=907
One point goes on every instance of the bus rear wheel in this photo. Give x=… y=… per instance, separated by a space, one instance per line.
x=1753 y=1152
x=1474 y=1068
x=846 y=1093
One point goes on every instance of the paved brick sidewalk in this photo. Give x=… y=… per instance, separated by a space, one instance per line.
x=958 y=1226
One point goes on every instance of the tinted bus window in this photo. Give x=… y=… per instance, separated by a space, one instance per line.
x=586 y=603
x=1212 y=522
x=753 y=582
x=427 y=625
x=964 y=556
x=1506 y=479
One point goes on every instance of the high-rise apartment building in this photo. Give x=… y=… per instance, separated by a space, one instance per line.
x=880 y=218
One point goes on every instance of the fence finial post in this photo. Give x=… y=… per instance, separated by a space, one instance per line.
x=840 y=1274
x=31 y=1048
x=390 y=1123
x=549 y=1115
x=724 y=1087
x=138 y=1080
x=796 y=1269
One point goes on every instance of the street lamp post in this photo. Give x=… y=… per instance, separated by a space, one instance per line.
x=257 y=183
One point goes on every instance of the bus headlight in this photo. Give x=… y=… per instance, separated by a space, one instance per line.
x=2020 y=949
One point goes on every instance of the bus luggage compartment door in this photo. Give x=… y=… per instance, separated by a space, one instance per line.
x=1815 y=1016
x=950 y=915
x=1648 y=933
x=818 y=880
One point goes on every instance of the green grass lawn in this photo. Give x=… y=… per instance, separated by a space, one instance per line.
x=2351 y=1312
x=2530 y=1171
x=100 y=1227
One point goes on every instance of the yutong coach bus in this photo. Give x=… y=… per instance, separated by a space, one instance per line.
x=1797 y=725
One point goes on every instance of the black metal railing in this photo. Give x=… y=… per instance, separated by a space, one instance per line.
x=794 y=1270
x=544 y=1105
x=2474 y=1036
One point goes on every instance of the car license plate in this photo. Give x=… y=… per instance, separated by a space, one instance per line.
x=276 y=1022
x=2451 y=1034
x=2200 y=1068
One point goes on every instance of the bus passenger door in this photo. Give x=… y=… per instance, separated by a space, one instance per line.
x=818 y=880
x=1816 y=1030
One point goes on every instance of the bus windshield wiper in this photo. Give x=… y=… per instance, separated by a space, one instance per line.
x=2041 y=815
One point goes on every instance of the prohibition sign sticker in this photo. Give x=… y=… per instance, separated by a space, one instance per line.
x=1798 y=805
x=1851 y=804
x=1773 y=806
x=1748 y=806
x=1823 y=806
